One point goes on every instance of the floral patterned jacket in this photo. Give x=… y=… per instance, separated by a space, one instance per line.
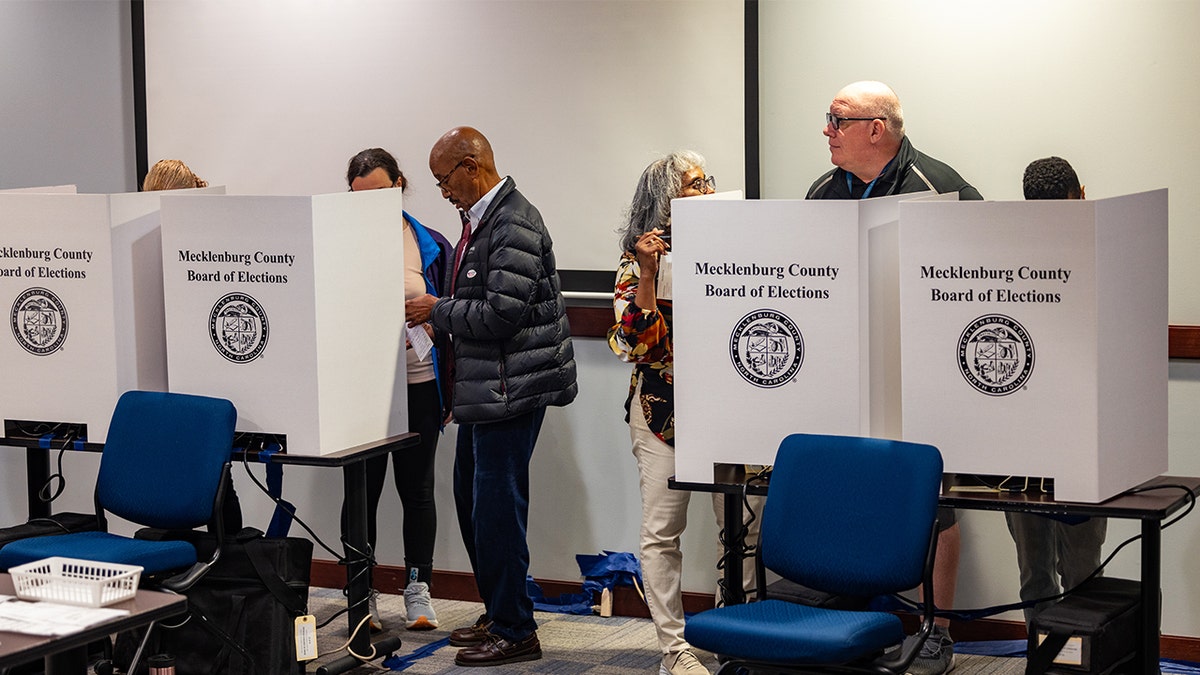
x=643 y=337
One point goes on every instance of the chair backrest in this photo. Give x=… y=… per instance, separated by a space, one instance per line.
x=849 y=515
x=164 y=458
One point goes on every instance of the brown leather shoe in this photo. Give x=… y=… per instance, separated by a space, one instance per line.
x=496 y=651
x=469 y=636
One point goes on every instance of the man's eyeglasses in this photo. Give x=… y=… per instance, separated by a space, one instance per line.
x=836 y=121
x=704 y=185
x=441 y=184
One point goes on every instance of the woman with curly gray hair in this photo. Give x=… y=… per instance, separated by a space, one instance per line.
x=642 y=336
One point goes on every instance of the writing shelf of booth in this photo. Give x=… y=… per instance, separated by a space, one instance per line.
x=340 y=458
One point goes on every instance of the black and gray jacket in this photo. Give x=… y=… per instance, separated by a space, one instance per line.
x=507 y=318
x=910 y=171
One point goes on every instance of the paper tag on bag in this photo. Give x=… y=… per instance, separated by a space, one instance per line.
x=1071 y=653
x=306 y=637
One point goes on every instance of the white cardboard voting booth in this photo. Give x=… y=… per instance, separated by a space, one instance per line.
x=82 y=278
x=293 y=308
x=45 y=189
x=1034 y=338
x=771 y=325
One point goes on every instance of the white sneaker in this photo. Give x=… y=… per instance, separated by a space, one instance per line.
x=418 y=607
x=376 y=623
x=682 y=663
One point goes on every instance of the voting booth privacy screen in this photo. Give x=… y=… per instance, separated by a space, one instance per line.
x=81 y=278
x=1020 y=338
x=770 y=332
x=293 y=308
x=1034 y=338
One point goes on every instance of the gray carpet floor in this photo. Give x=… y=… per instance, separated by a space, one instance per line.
x=570 y=644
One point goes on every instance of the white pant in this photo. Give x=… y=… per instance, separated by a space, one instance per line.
x=664 y=515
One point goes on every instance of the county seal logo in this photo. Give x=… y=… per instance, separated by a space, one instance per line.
x=766 y=348
x=39 y=321
x=995 y=354
x=238 y=327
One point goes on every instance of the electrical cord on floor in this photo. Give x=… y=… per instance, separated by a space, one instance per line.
x=353 y=633
x=971 y=614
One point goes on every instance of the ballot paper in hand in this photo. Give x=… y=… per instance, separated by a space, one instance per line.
x=662 y=284
x=420 y=341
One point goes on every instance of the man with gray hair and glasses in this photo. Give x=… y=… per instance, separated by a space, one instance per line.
x=873 y=158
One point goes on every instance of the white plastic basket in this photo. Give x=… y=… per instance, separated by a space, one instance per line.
x=86 y=583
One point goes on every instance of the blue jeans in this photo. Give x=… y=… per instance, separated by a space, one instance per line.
x=491 y=496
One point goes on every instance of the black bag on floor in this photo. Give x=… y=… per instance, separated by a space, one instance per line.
x=253 y=594
x=1093 y=630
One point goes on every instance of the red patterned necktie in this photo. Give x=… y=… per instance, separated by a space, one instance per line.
x=460 y=249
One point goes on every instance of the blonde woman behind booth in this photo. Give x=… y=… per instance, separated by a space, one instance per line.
x=171 y=174
x=643 y=336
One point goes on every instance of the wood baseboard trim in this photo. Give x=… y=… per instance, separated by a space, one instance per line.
x=627 y=602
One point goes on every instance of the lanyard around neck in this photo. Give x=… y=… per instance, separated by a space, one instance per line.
x=871 y=185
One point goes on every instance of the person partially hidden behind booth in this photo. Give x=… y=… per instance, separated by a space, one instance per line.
x=512 y=357
x=426 y=262
x=643 y=336
x=1051 y=549
x=171 y=174
x=874 y=158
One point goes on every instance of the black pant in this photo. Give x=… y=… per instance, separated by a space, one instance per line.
x=413 y=470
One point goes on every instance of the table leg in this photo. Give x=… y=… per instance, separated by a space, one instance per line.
x=734 y=542
x=358 y=569
x=37 y=471
x=358 y=575
x=70 y=662
x=1151 y=594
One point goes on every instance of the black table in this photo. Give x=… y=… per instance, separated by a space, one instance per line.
x=352 y=461
x=1151 y=503
x=68 y=654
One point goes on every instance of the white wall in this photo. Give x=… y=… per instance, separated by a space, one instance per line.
x=576 y=96
x=987 y=87
x=66 y=115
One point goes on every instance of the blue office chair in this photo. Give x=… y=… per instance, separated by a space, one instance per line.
x=848 y=516
x=165 y=464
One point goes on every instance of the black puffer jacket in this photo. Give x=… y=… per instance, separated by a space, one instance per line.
x=512 y=343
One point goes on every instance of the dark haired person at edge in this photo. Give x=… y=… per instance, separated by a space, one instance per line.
x=1053 y=548
x=512 y=357
x=873 y=158
x=643 y=336
x=426 y=257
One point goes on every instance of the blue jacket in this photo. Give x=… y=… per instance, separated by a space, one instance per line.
x=436 y=253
